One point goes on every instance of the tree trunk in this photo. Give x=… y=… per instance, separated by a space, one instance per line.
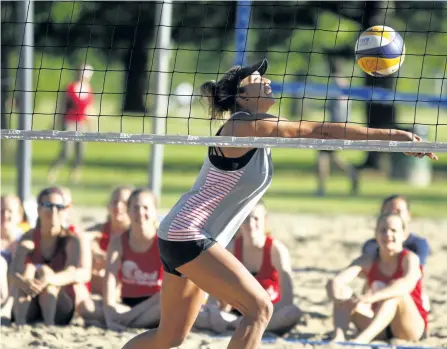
x=135 y=83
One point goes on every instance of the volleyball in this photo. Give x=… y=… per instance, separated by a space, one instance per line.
x=380 y=51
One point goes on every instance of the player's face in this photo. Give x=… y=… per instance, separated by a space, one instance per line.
x=118 y=205
x=399 y=207
x=51 y=211
x=143 y=211
x=257 y=95
x=390 y=234
x=11 y=213
x=254 y=225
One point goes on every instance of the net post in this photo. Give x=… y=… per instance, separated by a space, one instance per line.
x=163 y=21
x=243 y=11
x=25 y=38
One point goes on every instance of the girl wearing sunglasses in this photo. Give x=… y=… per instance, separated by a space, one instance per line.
x=45 y=267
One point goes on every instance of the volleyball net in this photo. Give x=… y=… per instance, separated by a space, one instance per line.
x=149 y=59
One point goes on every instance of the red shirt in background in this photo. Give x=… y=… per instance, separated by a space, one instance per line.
x=77 y=102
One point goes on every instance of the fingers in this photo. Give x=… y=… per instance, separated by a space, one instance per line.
x=421 y=155
x=417 y=138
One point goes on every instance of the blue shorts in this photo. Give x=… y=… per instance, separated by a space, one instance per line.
x=7 y=255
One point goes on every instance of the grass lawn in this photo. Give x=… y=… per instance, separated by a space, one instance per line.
x=292 y=190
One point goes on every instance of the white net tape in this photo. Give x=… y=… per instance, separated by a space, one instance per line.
x=222 y=141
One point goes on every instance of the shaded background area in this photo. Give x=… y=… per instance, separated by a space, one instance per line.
x=117 y=39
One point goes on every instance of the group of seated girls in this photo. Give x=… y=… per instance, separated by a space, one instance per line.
x=111 y=274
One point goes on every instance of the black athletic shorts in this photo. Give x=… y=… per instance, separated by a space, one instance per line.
x=389 y=333
x=133 y=301
x=174 y=254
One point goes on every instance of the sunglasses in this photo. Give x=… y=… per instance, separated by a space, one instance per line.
x=50 y=205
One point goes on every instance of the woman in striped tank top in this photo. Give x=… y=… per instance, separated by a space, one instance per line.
x=193 y=236
x=393 y=308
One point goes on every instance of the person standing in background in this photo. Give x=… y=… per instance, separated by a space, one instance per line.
x=76 y=108
x=337 y=108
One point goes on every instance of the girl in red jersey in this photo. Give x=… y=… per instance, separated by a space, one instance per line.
x=268 y=260
x=394 y=306
x=117 y=222
x=134 y=259
x=45 y=266
x=76 y=107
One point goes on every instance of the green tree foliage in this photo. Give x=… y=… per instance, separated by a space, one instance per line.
x=123 y=31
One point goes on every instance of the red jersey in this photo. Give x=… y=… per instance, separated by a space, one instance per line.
x=72 y=229
x=141 y=274
x=105 y=236
x=375 y=275
x=57 y=261
x=267 y=275
x=77 y=103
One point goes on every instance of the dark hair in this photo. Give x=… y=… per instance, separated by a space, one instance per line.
x=392 y=198
x=388 y=215
x=139 y=191
x=120 y=189
x=221 y=95
x=49 y=191
x=45 y=192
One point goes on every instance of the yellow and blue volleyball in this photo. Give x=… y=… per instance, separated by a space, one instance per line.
x=380 y=51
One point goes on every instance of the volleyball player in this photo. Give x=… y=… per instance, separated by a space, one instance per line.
x=194 y=234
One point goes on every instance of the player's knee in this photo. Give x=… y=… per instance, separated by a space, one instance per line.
x=176 y=340
x=261 y=310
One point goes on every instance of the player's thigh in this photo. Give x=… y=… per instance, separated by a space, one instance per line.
x=219 y=273
x=408 y=323
x=361 y=322
x=181 y=301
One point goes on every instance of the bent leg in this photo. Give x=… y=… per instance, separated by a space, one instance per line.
x=323 y=169
x=408 y=323
x=383 y=317
x=25 y=308
x=220 y=274
x=284 y=319
x=92 y=311
x=56 y=305
x=149 y=319
x=181 y=300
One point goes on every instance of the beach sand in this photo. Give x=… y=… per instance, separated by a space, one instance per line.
x=319 y=246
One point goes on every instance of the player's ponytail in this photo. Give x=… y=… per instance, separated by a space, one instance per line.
x=209 y=91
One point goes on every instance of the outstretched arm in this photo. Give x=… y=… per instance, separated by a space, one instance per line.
x=266 y=125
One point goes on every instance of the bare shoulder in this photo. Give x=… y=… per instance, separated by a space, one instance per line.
x=280 y=256
x=411 y=258
x=279 y=248
x=364 y=261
